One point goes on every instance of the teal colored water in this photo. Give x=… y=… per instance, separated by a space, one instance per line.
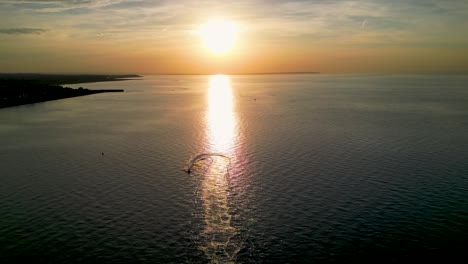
x=283 y=169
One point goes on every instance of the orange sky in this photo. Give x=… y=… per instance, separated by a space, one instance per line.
x=139 y=36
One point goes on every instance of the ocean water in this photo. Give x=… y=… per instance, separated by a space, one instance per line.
x=302 y=168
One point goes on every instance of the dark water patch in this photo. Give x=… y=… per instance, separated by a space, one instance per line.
x=330 y=169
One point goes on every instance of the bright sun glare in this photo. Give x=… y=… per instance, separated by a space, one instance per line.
x=218 y=36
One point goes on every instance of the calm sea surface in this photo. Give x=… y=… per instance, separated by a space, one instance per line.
x=283 y=169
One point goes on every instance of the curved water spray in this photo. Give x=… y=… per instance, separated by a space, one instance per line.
x=204 y=156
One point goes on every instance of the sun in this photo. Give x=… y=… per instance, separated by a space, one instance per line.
x=219 y=36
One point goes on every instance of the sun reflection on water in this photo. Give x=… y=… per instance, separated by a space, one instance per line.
x=218 y=237
x=220 y=116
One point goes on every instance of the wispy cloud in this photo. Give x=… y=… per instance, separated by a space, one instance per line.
x=57 y=6
x=22 y=31
x=168 y=26
x=273 y=18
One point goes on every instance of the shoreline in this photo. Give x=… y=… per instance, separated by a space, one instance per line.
x=21 y=89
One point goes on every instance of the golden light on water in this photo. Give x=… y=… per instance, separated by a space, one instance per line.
x=220 y=117
x=216 y=238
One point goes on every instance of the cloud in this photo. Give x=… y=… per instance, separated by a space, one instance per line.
x=51 y=1
x=275 y=20
x=56 y=6
x=22 y=31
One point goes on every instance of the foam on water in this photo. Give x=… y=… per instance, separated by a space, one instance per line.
x=216 y=237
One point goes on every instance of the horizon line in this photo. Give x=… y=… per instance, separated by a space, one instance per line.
x=154 y=73
x=220 y=73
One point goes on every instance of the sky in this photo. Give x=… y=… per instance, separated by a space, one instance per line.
x=143 y=37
